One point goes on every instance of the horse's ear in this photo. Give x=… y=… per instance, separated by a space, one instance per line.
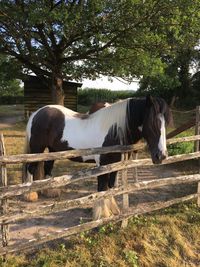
x=149 y=100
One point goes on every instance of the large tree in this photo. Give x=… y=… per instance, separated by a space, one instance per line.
x=74 y=39
x=176 y=77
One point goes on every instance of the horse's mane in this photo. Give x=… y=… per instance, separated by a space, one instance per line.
x=114 y=114
x=160 y=106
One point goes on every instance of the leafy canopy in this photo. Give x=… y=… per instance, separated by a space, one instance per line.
x=81 y=38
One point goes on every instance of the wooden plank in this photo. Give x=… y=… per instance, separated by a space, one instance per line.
x=125 y=200
x=16 y=190
x=183 y=139
x=197 y=146
x=4 y=203
x=20 y=158
x=87 y=201
x=181 y=128
x=101 y=150
x=198 y=194
x=197 y=127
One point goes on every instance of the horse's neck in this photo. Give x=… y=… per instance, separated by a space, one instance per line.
x=136 y=113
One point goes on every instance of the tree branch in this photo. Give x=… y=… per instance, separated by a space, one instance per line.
x=40 y=28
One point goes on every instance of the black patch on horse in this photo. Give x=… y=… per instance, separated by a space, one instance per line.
x=47 y=130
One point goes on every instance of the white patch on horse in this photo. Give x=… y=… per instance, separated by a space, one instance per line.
x=140 y=128
x=107 y=104
x=96 y=158
x=29 y=124
x=91 y=132
x=162 y=141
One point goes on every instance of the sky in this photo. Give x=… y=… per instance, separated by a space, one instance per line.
x=104 y=83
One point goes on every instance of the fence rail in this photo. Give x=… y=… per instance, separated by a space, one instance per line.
x=16 y=190
x=88 y=200
x=25 y=158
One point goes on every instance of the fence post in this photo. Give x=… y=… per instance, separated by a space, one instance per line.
x=135 y=173
x=197 y=128
x=196 y=147
x=4 y=203
x=125 y=196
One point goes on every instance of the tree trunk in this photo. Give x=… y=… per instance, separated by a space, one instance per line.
x=57 y=89
x=184 y=73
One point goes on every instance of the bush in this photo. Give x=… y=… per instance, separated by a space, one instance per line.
x=11 y=100
x=90 y=96
x=181 y=148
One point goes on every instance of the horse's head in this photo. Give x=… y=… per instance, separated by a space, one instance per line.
x=157 y=115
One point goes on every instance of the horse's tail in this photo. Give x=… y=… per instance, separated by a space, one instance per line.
x=26 y=144
x=26 y=151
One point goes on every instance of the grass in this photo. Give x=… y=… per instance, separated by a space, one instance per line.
x=11 y=110
x=167 y=238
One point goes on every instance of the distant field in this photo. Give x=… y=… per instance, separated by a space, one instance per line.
x=8 y=110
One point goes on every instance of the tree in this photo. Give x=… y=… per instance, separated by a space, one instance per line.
x=176 y=77
x=74 y=39
x=9 y=70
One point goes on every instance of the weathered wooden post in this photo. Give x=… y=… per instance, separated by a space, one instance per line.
x=196 y=147
x=135 y=173
x=4 y=203
x=125 y=196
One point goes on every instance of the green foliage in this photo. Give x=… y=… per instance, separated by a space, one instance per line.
x=131 y=257
x=176 y=79
x=9 y=85
x=78 y=39
x=163 y=85
x=181 y=148
x=90 y=96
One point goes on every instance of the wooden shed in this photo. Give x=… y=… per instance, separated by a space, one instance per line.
x=37 y=94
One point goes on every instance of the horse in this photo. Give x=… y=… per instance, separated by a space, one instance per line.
x=122 y=123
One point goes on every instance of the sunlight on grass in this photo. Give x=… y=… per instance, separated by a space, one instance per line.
x=164 y=238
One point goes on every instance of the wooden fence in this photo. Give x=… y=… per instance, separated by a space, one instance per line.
x=125 y=189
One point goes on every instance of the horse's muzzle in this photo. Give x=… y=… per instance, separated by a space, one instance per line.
x=158 y=157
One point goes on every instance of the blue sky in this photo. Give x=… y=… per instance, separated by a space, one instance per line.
x=103 y=82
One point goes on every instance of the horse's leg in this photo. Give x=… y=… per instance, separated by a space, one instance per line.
x=48 y=167
x=106 y=207
x=32 y=169
x=113 y=205
x=112 y=179
x=101 y=207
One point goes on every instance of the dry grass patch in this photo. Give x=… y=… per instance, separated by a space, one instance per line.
x=163 y=239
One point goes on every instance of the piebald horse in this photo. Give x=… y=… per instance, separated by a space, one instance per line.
x=122 y=123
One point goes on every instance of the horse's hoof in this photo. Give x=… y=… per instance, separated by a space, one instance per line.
x=49 y=193
x=31 y=197
x=114 y=207
x=104 y=208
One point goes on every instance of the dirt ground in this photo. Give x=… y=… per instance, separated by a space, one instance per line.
x=7 y=121
x=38 y=227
